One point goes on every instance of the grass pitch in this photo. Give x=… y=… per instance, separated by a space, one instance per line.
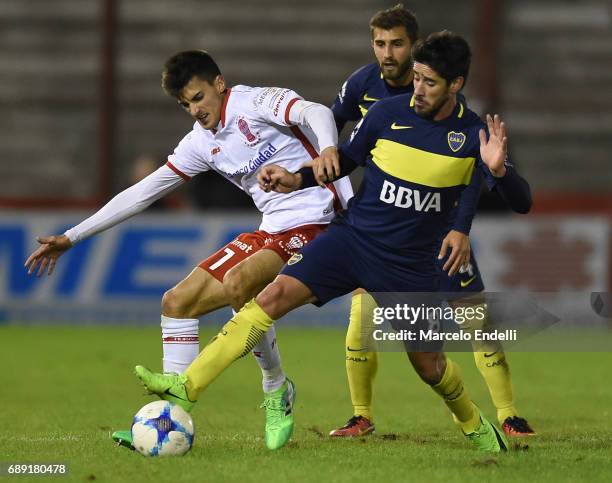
x=65 y=389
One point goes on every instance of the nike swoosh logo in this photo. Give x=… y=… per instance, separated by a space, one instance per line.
x=490 y=354
x=369 y=99
x=397 y=126
x=353 y=350
x=465 y=283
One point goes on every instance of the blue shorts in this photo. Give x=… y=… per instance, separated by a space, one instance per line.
x=467 y=282
x=340 y=260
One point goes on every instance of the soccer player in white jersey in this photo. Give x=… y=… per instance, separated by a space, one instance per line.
x=237 y=130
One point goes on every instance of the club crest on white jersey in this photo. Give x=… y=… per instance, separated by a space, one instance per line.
x=251 y=137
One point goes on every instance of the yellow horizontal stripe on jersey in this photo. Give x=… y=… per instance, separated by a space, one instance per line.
x=421 y=167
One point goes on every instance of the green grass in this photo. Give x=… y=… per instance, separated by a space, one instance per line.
x=64 y=390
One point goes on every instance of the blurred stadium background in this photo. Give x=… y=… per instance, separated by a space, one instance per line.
x=84 y=115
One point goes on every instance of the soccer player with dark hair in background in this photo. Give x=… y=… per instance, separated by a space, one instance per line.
x=393 y=33
x=419 y=152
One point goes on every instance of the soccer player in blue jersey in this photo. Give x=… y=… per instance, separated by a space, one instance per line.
x=419 y=153
x=393 y=33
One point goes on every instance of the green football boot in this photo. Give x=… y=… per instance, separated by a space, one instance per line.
x=169 y=387
x=123 y=438
x=487 y=437
x=279 y=415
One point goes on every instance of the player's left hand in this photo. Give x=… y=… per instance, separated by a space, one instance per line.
x=326 y=167
x=459 y=243
x=276 y=178
x=494 y=151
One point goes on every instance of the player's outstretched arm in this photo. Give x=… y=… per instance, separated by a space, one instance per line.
x=272 y=177
x=515 y=191
x=45 y=256
x=494 y=152
x=129 y=202
x=326 y=167
x=325 y=170
x=276 y=178
x=457 y=240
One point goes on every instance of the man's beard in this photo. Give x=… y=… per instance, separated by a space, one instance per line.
x=402 y=70
x=436 y=109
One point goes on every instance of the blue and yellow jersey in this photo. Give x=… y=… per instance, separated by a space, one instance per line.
x=360 y=91
x=415 y=171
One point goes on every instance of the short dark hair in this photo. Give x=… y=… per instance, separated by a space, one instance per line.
x=182 y=67
x=445 y=52
x=397 y=16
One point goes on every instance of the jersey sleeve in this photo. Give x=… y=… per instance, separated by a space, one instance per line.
x=189 y=157
x=364 y=136
x=273 y=104
x=468 y=203
x=346 y=104
x=513 y=188
x=129 y=202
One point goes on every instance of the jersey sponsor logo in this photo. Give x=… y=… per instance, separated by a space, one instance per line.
x=361 y=349
x=369 y=99
x=278 y=102
x=403 y=197
x=456 y=140
x=342 y=92
x=356 y=129
x=270 y=94
x=273 y=97
x=295 y=259
x=251 y=138
x=253 y=164
x=398 y=126
x=245 y=247
x=465 y=283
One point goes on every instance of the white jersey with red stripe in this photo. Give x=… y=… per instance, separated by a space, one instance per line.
x=255 y=130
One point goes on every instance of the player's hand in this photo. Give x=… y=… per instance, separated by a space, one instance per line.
x=276 y=178
x=494 y=151
x=326 y=167
x=459 y=245
x=45 y=257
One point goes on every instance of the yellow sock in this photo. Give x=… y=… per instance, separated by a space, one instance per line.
x=496 y=373
x=361 y=361
x=491 y=362
x=236 y=339
x=457 y=398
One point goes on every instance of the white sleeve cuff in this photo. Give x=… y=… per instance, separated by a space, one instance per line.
x=319 y=119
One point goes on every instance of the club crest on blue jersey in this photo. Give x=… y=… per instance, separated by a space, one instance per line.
x=456 y=140
x=295 y=259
